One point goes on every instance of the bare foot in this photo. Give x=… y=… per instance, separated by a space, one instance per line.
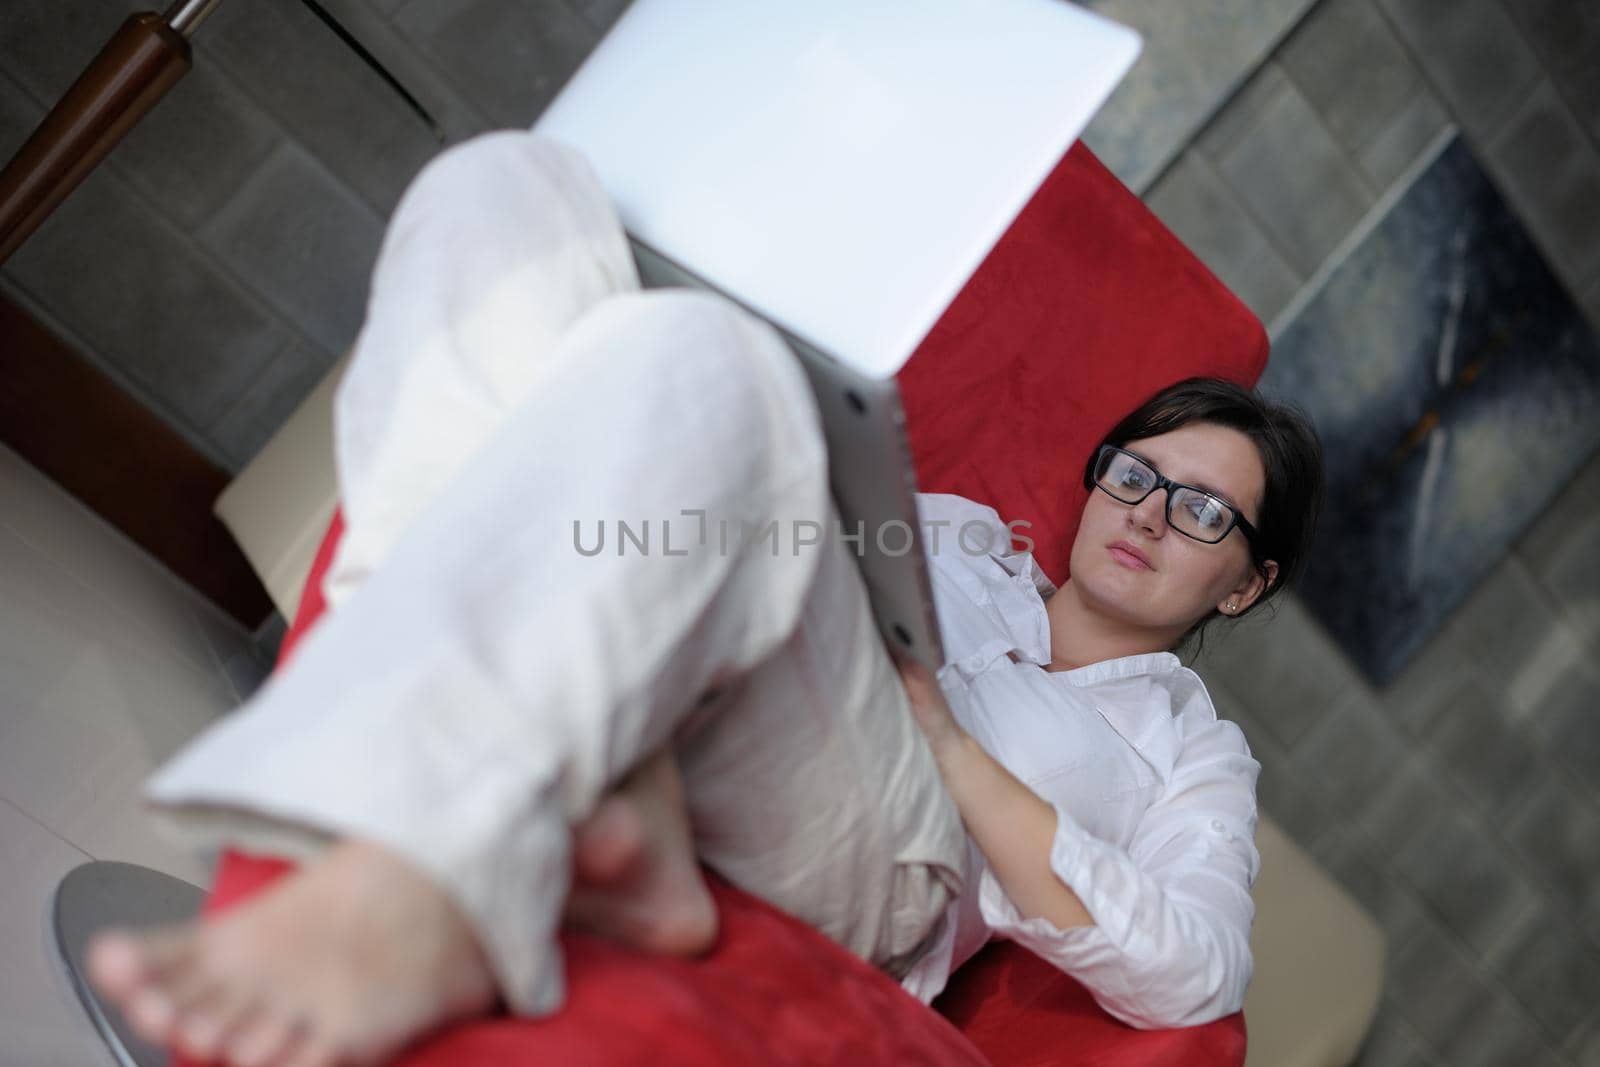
x=635 y=876
x=345 y=961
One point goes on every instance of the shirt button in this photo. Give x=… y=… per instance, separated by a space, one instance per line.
x=1218 y=825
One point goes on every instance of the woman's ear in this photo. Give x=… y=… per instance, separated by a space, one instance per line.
x=1256 y=583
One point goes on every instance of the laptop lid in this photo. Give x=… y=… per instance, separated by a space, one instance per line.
x=839 y=166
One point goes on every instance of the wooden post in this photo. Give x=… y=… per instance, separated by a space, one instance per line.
x=142 y=61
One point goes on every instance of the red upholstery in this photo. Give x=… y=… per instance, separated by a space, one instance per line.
x=312 y=602
x=1085 y=307
x=774 y=991
x=1022 y=1012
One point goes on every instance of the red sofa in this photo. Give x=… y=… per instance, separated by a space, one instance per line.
x=1085 y=306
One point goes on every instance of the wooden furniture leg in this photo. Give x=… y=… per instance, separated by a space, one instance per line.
x=144 y=59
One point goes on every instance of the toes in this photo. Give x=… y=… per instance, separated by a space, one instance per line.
x=310 y=1050
x=116 y=964
x=195 y=989
x=204 y=1029
x=264 y=1038
x=200 y=1036
x=152 y=1015
x=156 y=980
x=608 y=843
x=159 y=1009
x=120 y=963
x=686 y=925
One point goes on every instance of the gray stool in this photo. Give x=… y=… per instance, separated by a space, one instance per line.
x=101 y=894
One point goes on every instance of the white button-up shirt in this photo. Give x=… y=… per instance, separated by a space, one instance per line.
x=1154 y=795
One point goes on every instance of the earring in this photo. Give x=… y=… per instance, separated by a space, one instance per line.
x=1232 y=606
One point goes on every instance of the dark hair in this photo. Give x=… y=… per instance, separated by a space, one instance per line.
x=1290 y=453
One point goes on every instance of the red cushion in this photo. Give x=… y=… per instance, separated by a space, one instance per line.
x=1022 y=1012
x=1085 y=307
x=312 y=602
x=773 y=991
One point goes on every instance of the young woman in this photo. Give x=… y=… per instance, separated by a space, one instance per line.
x=1111 y=811
x=492 y=721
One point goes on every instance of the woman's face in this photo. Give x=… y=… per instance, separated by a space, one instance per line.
x=1130 y=566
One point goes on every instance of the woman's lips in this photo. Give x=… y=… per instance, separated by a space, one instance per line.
x=1130 y=557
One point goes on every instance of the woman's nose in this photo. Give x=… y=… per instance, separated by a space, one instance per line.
x=1151 y=513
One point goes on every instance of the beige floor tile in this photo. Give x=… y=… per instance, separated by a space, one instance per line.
x=30 y=582
x=233 y=649
x=41 y=1022
x=83 y=721
x=55 y=525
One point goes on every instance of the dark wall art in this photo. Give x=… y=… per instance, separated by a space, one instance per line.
x=1457 y=389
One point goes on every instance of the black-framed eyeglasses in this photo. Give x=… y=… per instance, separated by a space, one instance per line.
x=1191 y=511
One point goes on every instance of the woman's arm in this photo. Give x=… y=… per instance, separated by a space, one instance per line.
x=1162 y=924
x=1012 y=826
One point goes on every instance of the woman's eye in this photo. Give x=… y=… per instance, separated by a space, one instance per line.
x=1208 y=513
x=1134 y=478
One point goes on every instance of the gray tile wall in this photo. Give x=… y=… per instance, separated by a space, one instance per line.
x=217 y=264
x=1194 y=56
x=1460 y=804
x=1328 y=125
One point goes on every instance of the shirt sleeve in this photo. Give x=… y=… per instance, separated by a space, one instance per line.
x=986 y=588
x=1171 y=941
x=953 y=527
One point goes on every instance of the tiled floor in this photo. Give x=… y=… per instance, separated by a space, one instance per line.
x=42 y=1022
x=107 y=665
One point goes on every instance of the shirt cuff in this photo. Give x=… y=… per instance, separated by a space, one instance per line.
x=1087 y=953
x=1067 y=860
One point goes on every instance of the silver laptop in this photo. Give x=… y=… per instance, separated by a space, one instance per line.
x=840 y=168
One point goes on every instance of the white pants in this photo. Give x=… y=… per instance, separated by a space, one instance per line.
x=481 y=681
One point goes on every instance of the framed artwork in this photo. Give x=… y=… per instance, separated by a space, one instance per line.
x=1456 y=387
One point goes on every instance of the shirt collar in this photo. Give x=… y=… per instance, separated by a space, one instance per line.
x=1114 y=670
x=1023 y=565
x=1140 y=712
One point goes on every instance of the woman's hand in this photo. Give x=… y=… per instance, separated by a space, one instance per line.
x=932 y=711
x=1013 y=827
